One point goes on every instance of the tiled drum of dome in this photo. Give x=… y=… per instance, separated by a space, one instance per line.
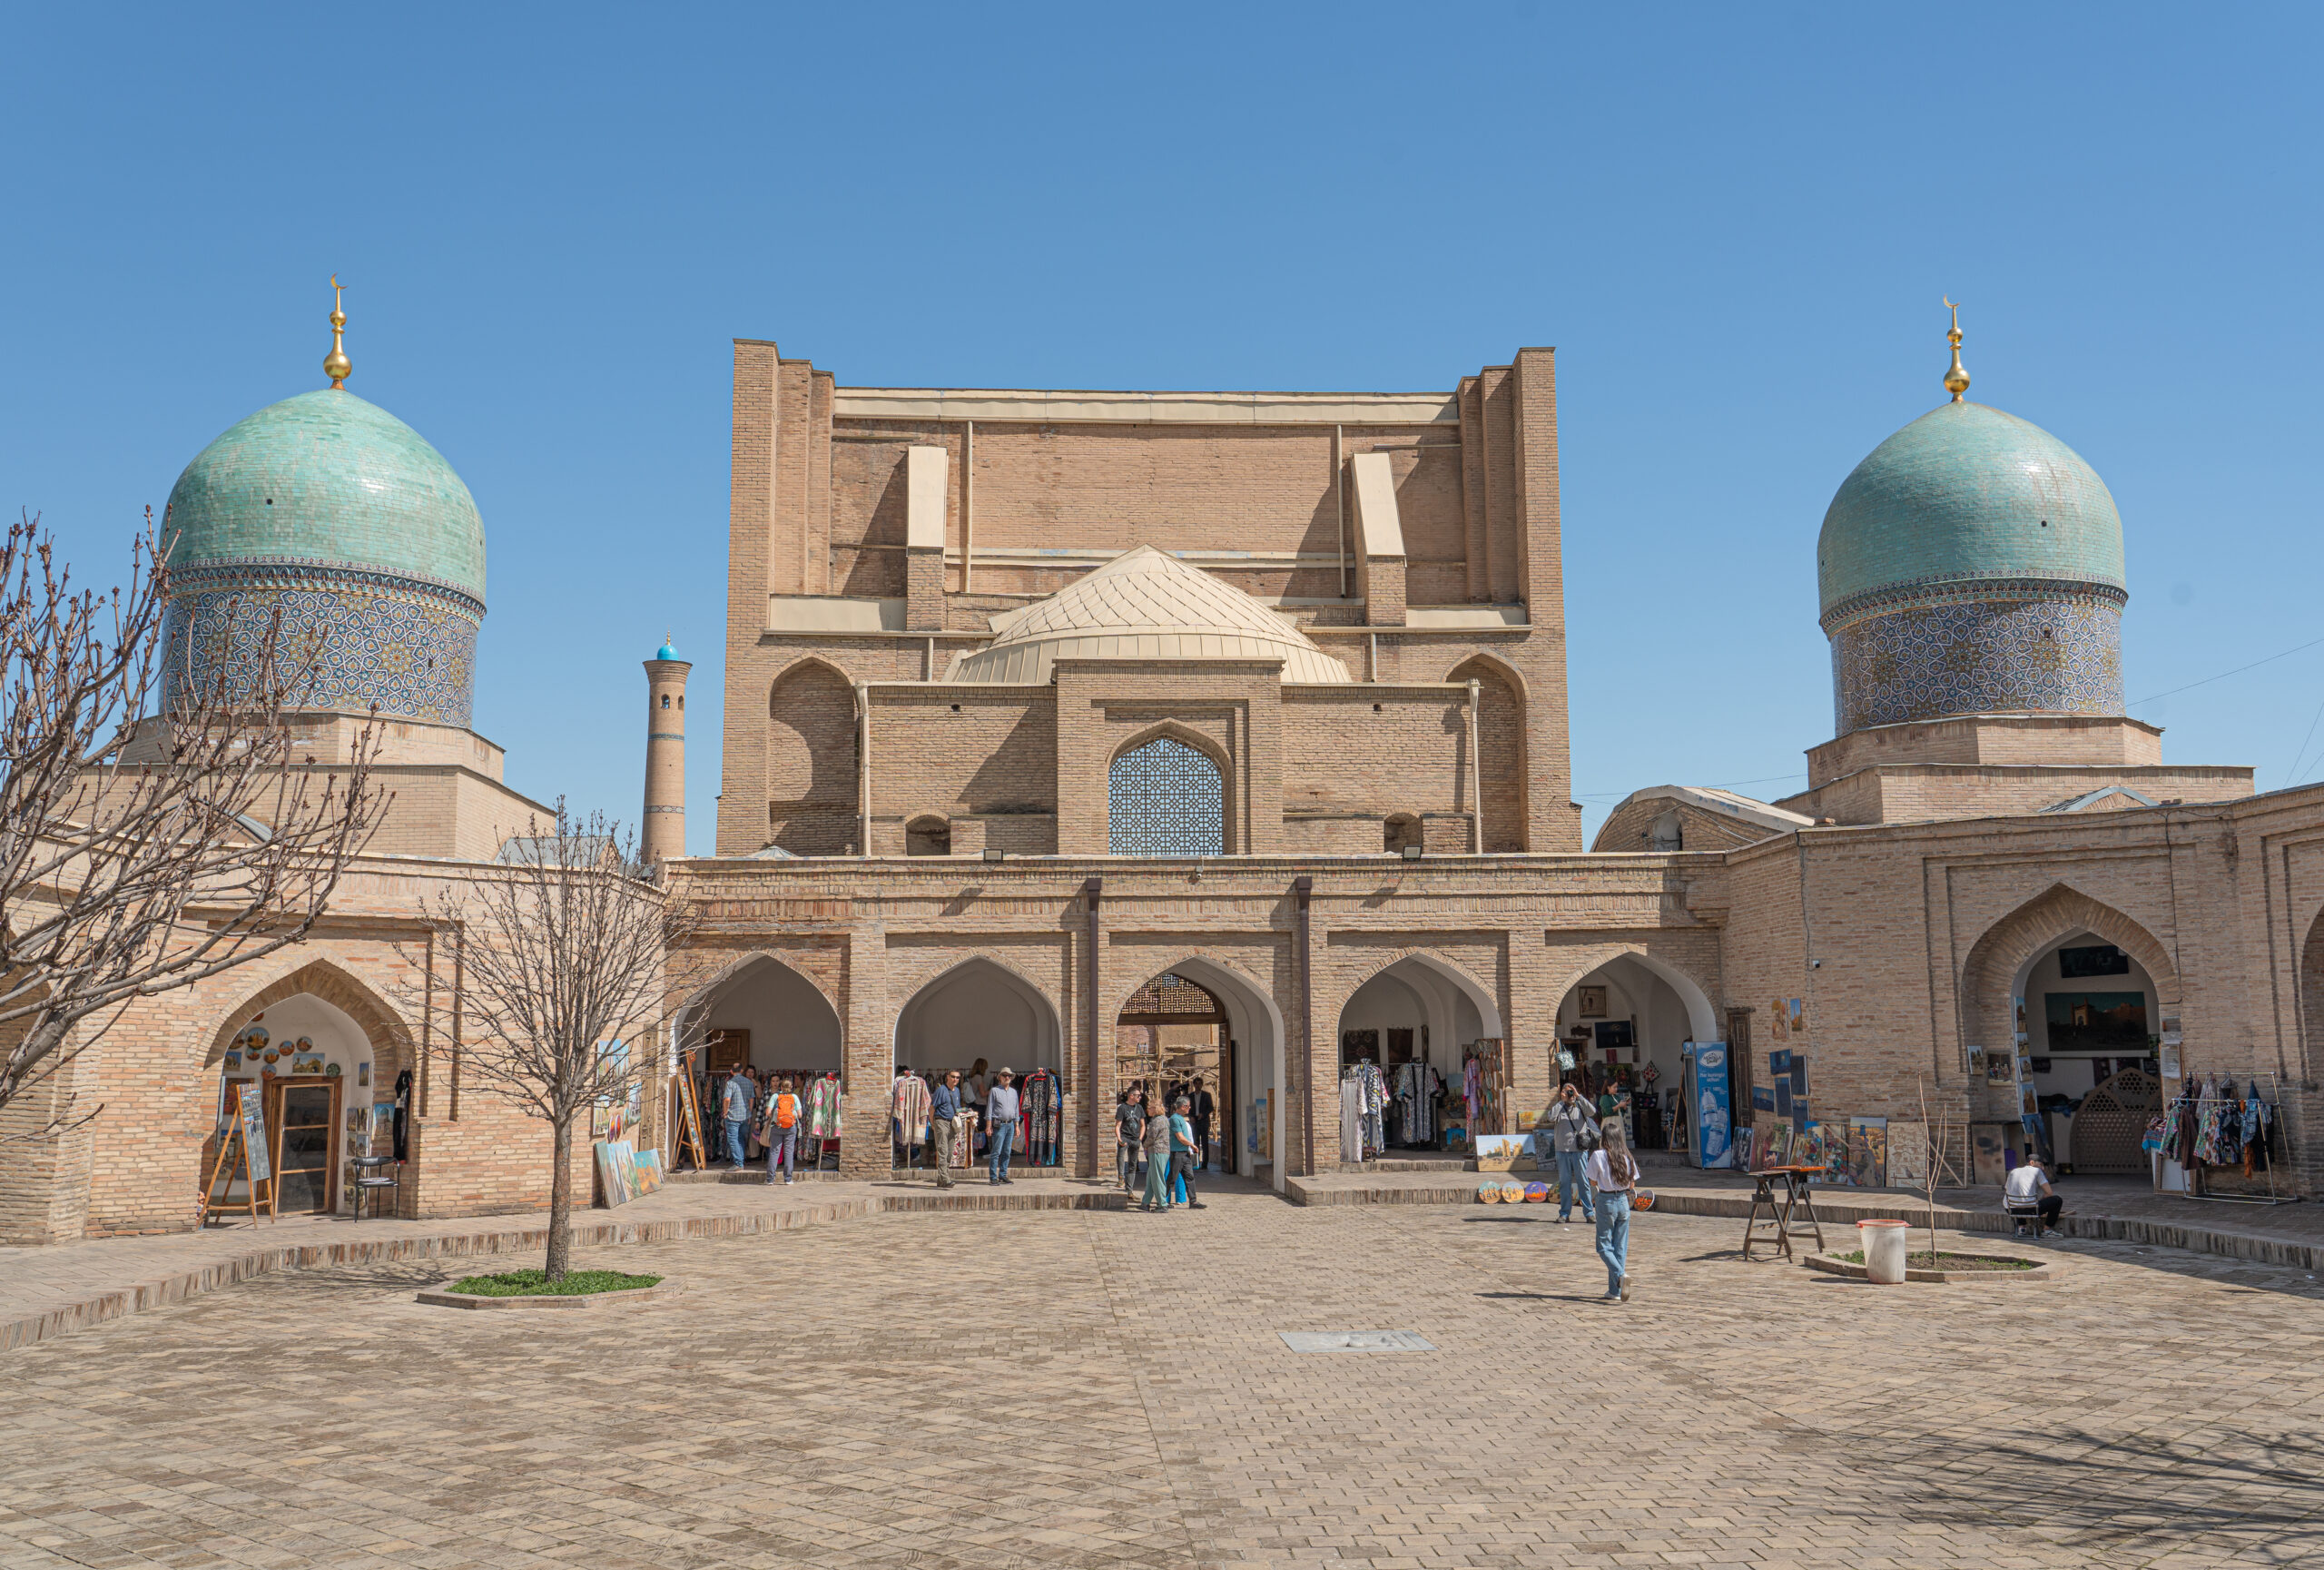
x=408 y=650
x=2054 y=655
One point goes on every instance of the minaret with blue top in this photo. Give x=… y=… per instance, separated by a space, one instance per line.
x=663 y=836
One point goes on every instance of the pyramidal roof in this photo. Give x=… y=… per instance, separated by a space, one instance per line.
x=1143 y=605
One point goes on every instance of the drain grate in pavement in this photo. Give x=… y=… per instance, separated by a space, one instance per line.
x=1353 y=1341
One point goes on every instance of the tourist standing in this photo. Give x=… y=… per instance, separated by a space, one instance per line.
x=1572 y=1132
x=999 y=1127
x=1183 y=1149
x=782 y=1130
x=1129 y=1138
x=944 y=1111
x=1156 y=1144
x=1205 y=1108
x=1612 y=1171
x=736 y=1101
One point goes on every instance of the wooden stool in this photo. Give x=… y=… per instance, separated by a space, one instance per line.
x=1794 y=1218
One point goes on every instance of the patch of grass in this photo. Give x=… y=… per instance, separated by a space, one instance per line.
x=1925 y=1260
x=537 y=1284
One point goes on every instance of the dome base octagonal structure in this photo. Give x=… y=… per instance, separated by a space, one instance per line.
x=1972 y=563
x=1143 y=604
x=340 y=517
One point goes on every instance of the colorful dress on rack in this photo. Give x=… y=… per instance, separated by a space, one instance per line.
x=909 y=1105
x=824 y=1108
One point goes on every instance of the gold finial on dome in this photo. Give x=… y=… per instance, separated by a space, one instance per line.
x=1956 y=380
x=336 y=365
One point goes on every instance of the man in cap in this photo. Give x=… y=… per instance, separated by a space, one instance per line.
x=1001 y=1126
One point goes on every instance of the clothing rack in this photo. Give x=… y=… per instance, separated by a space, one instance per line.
x=2197 y=1172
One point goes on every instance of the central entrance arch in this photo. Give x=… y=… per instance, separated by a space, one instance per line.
x=1197 y=994
x=981 y=1016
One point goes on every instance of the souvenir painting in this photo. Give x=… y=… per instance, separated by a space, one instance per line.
x=363 y=1074
x=233 y=1062
x=312 y=1064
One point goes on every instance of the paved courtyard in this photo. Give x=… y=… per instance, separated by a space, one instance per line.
x=1093 y=1388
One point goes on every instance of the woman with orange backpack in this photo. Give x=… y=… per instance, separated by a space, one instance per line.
x=784 y=1111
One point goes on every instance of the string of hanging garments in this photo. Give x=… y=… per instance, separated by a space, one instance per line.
x=1363 y=1105
x=1417 y=1086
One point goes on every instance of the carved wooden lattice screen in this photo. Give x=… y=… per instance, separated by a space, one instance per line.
x=1164 y=799
x=2111 y=1123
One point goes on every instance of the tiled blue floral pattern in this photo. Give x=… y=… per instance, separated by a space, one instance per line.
x=373 y=639
x=2059 y=654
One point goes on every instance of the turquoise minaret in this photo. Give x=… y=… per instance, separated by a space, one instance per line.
x=1972 y=563
x=663 y=836
x=340 y=517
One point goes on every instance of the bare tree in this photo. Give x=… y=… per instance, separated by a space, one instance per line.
x=153 y=832
x=564 y=950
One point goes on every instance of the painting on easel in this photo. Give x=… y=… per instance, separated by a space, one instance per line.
x=243 y=1159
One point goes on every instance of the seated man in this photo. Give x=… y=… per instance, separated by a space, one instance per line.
x=2029 y=1185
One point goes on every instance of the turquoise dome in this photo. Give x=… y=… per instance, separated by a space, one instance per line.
x=327 y=479
x=1966 y=493
x=331 y=520
x=666 y=652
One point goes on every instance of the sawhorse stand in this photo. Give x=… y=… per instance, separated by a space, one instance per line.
x=1774 y=1224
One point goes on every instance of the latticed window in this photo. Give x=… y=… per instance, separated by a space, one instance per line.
x=1164 y=799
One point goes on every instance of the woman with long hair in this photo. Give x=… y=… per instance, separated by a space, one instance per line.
x=1612 y=1172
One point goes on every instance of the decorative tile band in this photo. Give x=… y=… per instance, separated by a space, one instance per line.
x=303 y=572
x=2059 y=655
x=1954 y=590
x=371 y=639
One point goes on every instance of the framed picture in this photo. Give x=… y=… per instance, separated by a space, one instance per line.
x=363 y=1074
x=1590 y=1002
x=1798 y=1009
x=1780 y=1017
x=308 y=1063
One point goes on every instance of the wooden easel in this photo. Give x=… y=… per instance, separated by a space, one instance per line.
x=690 y=1114
x=242 y=1153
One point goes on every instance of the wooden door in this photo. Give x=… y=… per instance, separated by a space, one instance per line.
x=302 y=1119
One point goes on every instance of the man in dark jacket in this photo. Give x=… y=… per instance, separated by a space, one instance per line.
x=1201 y=1107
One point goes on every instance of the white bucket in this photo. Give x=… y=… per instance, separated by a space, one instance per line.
x=1884 y=1250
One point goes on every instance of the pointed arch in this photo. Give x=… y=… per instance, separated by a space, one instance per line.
x=392 y=1046
x=1453 y=975
x=1253 y=1019
x=1501 y=772
x=1998 y=959
x=699 y=989
x=811 y=759
x=928 y=1033
x=1703 y=1018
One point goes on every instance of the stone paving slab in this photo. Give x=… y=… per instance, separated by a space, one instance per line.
x=1027 y=1389
x=59 y=1288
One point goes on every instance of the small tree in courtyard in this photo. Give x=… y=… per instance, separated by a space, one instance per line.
x=153 y=833
x=564 y=950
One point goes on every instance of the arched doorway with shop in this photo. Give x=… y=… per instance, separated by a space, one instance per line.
x=1406 y=1036
x=768 y=1020
x=981 y=1016
x=332 y=1067
x=2089 y=1024
x=1622 y=1032
x=2062 y=997
x=1201 y=1018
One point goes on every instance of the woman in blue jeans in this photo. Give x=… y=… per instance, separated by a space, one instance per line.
x=1612 y=1172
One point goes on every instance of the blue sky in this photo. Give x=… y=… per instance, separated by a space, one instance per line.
x=1734 y=222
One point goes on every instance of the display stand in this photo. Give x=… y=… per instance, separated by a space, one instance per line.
x=690 y=1114
x=242 y=1153
x=1777 y=1225
x=2199 y=1175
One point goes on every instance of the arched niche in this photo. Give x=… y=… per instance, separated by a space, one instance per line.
x=792 y=1027
x=978 y=1009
